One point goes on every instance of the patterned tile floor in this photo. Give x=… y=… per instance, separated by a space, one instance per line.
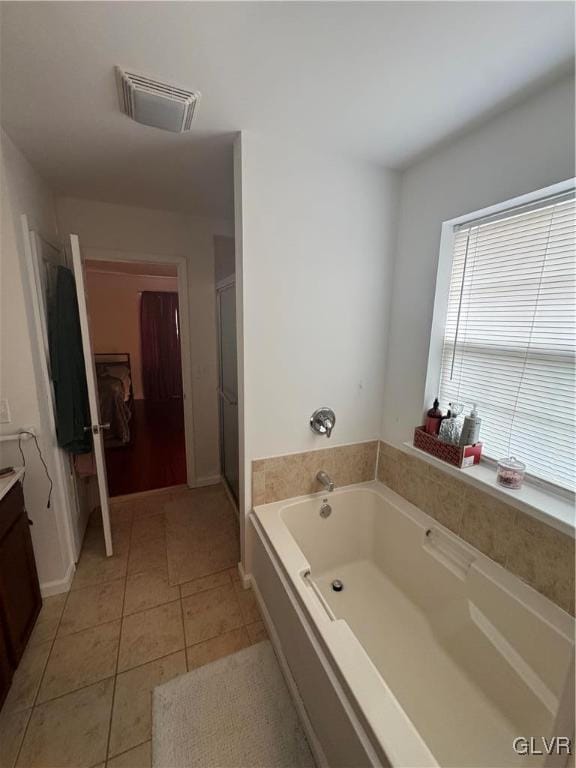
x=81 y=696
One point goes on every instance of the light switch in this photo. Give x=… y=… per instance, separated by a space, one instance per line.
x=5 y=417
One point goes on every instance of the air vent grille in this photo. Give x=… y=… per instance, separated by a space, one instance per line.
x=152 y=102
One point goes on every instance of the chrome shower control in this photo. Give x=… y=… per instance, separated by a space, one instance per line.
x=322 y=421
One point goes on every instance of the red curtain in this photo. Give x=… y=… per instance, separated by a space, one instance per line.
x=160 y=344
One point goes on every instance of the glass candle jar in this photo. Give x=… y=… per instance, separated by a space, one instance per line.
x=510 y=473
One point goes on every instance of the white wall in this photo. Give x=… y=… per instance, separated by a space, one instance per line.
x=23 y=191
x=224 y=257
x=106 y=227
x=315 y=239
x=528 y=147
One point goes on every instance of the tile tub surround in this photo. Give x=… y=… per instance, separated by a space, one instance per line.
x=282 y=477
x=538 y=554
x=535 y=552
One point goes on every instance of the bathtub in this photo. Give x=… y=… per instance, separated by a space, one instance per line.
x=430 y=655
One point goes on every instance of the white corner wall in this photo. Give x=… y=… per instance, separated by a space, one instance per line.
x=24 y=192
x=315 y=241
x=105 y=227
x=526 y=148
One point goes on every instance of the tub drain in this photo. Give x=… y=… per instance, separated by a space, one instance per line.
x=337 y=585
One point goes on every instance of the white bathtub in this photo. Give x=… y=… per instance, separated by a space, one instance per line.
x=437 y=655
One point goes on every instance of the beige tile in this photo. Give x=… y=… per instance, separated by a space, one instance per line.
x=445 y=502
x=288 y=476
x=211 y=613
x=95 y=544
x=544 y=558
x=281 y=477
x=132 y=715
x=81 y=659
x=148 y=589
x=147 y=555
x=122 y=512
x=257 y=632
x=150 y=634
x=139 y=757
x=95 y=569
x=48 y=619
x=12 y=728
x=411 y=482
x=248 y=605
x=27 y=677
x=211 y=650
x=71 y=731
x=234 y=574
x=207 y=582
x=258 y=488
x=202 y=536
x=91 y=606
x=487 y=524
x=148 y=527
x=356 y=463
x=150 y=505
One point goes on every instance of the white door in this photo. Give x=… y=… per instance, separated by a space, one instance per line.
x=96 y=426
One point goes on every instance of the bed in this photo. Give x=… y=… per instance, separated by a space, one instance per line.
x=114 y=375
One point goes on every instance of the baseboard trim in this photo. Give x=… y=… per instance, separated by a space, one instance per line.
x=49 y=588
x=145 y=494
x=201 y=482
x=245 y=578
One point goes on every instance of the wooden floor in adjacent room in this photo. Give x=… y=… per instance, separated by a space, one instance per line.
x=156 y=455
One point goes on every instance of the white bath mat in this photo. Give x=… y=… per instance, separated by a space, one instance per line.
x=233 y=713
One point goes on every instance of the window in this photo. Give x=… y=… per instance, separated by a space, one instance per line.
x=509 y=341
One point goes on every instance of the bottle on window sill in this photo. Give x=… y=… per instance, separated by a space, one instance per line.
x=434 y=419
x=471 y=428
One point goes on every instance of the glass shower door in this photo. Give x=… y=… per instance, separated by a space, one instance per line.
x=228 y=385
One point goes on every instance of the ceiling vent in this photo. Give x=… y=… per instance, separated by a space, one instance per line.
x=154 y=103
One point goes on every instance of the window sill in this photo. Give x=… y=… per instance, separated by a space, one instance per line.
x=551 y=509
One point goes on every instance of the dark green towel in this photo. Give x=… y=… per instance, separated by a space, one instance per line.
x=67 y=364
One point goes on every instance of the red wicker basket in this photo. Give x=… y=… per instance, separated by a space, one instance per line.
x=458 y=455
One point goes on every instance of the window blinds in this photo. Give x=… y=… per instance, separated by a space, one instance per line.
x=509 y=343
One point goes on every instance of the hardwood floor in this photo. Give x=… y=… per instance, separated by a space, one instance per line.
x=156 y=456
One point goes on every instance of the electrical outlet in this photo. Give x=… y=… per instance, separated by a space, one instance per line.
x=5 y=417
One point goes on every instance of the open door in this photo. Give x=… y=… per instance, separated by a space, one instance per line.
x=96 y=426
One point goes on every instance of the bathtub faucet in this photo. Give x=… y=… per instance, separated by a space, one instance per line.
x=323 y=478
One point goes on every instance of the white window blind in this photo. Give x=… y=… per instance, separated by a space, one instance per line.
x=509 y=343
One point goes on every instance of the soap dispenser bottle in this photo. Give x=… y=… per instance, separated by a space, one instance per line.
x=434 y=418
x=471 y=428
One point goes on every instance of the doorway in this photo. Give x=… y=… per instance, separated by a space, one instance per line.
x=136 y=329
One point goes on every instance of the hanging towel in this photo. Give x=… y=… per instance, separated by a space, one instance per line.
x=67 y=364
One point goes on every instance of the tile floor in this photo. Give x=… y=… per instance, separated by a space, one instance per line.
x=82 y=694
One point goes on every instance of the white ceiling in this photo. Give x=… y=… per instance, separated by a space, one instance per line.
x=378 y=81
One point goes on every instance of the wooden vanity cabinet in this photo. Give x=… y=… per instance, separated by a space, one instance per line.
x=20 y=599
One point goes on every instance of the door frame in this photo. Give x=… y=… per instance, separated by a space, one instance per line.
x=221 y=285
x=91 y=253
